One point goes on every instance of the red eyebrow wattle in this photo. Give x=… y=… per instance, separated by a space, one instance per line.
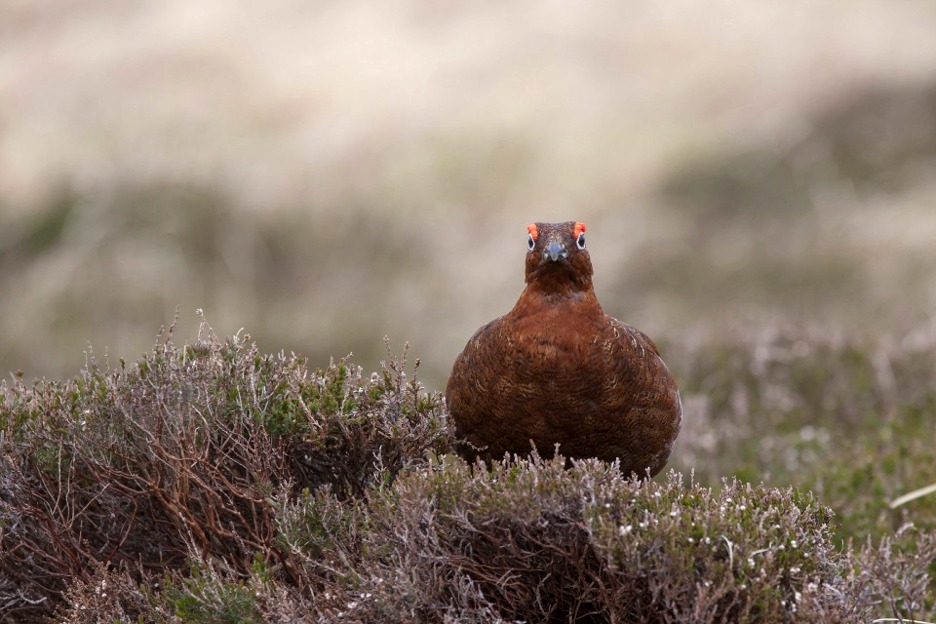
x=579 y=228
x=532 y=230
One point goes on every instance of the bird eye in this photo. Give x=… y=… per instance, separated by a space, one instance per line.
x=580 y=241
x=531 y=243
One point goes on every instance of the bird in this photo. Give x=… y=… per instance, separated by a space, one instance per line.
x=556 y=372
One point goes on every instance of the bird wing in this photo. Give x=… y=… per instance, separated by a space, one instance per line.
x=633 y=359
x=469 y=386
x=645 y=396
x=637 y=337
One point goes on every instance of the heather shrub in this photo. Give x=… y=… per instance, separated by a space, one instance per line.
x=534 y=542
x=183 y=455
x=214 y=483
x=103 y=595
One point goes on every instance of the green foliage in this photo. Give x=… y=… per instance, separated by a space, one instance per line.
x=201 y=599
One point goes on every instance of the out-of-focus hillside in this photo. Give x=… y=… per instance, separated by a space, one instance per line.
x=327 y=173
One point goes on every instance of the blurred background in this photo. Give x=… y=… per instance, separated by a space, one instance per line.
x=324 y=174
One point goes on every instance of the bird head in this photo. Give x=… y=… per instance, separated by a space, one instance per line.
x=557 y=258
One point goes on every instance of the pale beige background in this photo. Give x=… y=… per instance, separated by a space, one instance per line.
x=327 y=173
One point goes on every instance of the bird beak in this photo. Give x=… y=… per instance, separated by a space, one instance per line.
x=555 y=251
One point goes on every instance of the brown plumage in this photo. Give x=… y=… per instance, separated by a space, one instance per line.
x=557 y=370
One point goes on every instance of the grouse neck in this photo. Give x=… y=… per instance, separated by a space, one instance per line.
x=552 y=281
x=554 y=292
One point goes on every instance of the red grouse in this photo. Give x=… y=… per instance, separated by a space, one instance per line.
x=556 y=370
